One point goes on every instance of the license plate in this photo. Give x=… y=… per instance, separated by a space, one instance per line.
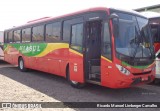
x=144 y=78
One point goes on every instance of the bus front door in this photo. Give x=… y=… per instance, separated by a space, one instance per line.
x=93 y=50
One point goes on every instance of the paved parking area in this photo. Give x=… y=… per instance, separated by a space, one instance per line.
x=35 y=86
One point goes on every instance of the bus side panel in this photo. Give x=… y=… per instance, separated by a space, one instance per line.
x=11 y=55
x=7 y=57
x=76 y=66
x=26 y=61
x=1 y=54
x=42 y=64
x=64 y=57
x=15 y=57
x=63 y=66
x=54 y=66
x=107 y=78
x=56 y=61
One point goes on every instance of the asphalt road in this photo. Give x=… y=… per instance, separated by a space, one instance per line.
x=57 y=88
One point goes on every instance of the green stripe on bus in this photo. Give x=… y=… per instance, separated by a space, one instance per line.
x=138 y=67
x=30 y=49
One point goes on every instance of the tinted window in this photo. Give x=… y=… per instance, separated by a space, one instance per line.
x=66 y=31
x=26 y=35
x=106 y=42
x=156 y=36
x=53 y=32
x=38 y=34
x=77 y=37
x=17 y=36
x=67 y=27
x=10 y=37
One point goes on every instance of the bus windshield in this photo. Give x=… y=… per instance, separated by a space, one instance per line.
x=134 y=36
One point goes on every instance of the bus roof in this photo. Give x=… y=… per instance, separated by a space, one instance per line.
x=61 y=16
x=44 y=19
x=154 y=17
x=150 y=14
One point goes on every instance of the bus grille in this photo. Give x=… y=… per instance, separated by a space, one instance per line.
x=143 y=73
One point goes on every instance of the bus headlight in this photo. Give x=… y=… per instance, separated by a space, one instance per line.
x=123 y=70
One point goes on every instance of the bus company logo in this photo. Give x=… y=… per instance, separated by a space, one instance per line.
x=6 y=105
x=30 y=48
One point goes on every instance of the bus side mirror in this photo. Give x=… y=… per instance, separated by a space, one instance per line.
x=115 y=20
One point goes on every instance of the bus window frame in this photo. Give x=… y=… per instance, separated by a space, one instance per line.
x=83 y=35
x=30 y=34
x=5 y=37
x=10 y=42
x=110 y=36
x=39 y=41
x=158 y=29
x=70 y=21
x=60 y=35
x=20 y=41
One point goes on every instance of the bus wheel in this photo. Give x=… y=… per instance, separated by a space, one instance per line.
x=21 y=65
x=74 y=84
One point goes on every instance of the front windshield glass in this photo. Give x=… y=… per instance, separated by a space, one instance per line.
x=134 y=37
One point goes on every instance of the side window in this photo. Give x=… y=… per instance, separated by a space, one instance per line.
x=17 y=36
x=155 y=35
x=10 y=37
x=67 y=24
x=77 y=37
x=26 y=35
x=38 y=34
x=53 y=32
x=66 y=31
x=106 y=43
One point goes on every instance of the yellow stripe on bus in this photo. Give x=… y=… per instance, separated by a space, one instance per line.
x=75 y=52
x=106 y=59
x=51 y=47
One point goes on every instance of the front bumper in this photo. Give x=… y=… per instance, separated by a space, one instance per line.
x=140 y=80
x=135 y=80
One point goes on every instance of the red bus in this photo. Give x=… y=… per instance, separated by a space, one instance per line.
x=103 y=46
x=155 y=27
x=1 y=46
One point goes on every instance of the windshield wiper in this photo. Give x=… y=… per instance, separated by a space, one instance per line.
x=137 y=42
x=147 y=41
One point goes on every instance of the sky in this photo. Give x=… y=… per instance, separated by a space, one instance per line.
x=18 y=12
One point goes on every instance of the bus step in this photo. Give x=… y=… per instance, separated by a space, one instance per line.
x=94 y=82
x=95 y=69
x=94 y=76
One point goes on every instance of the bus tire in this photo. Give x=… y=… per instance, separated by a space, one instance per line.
x=21 y=65
x=74 y=84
